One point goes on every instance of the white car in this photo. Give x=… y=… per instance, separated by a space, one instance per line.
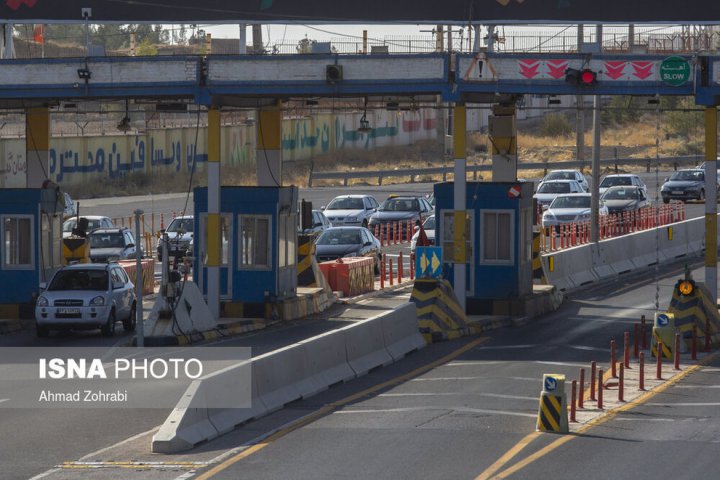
x=180 y=237
x=548 y=190
x=94 y=221
x=429 y=227
x=622 y=179
x=569 y=175
x=347 y=210
x=570 y=208
x=86 y=296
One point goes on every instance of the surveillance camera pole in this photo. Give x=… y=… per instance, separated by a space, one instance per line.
x=139 y=282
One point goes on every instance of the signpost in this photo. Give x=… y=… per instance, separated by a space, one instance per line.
x=675 y=71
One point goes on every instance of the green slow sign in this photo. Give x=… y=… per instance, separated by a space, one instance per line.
x=675 y=71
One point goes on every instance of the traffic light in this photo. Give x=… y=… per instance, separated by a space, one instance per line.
x=582 y=78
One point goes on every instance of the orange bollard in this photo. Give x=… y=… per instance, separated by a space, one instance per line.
x=400 y=268
x=600 y=389
x=641 y=382
x=658 y=364
x=621 y=384
x=412 y=266
x=626 y=349
x=593 y=371
x=382 y=273
x=676 y=352
x=573 y=236
x=573 y=397
x=581 y=391
x=391 y=271
x=613 y=359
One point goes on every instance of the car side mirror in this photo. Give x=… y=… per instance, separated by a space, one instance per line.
x=130 y=245
x=322 y=208
x=162 y=230
x=43 y=286
x=367 y=244
x=545 y=207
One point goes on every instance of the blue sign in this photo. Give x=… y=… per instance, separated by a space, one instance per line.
x=662 y=320
x=428 y=262
x=550 y=384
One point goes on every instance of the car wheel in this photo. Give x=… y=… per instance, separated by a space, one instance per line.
x=41 y=332
x=131 y=322
x=108 y=330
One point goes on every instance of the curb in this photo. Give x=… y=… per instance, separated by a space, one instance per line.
x=195 y=337
x=10 y=326
x=374 y=293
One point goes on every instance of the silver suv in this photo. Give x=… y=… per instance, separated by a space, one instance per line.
x=347 y=210
x=86 y=296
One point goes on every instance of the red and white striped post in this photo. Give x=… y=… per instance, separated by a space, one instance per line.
x=593 y=371
x=626 y=349
x=573 y=397
x=676 y=352
x=600 y=389
x=400 y=268
x=391 y=271
x=658 y=364
x=621 y=384
x=382 y=272
x=581 y=392
x=613 y=358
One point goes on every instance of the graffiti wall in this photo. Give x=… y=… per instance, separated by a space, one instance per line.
x=77 y=160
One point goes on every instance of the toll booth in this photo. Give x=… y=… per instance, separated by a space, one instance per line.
x=259 y=244
x=31 y=250
x=499 y=219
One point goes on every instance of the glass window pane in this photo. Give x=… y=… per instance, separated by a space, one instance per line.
x=282 y=236
x=503 y=237
x=261 y=238
x=489 y=236
x=247 y=233
x=292 y=240
x=18 y=241
x=225 y=240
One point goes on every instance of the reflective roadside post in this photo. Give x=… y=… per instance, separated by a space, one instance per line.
x=139 y=283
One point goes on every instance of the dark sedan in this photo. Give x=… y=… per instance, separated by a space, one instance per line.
x=624 y=198
x=401 y=209
x=342 y=242
x=684 y=185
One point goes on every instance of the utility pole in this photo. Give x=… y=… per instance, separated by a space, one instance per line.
x=595 y=188
x=243 y=39
x=580 y=114
x=257 y=39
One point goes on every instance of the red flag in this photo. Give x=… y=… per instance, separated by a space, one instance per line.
x=39 y=33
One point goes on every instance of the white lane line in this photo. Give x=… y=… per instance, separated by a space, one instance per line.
x=122 y=442
x=692 y=386
x=45 y=474
x=471 y=364
x=185 y=476
x=458 y=394
x=508 y=347
x=451 y=409
x=561 y=364
x=442 y=379
x=643 y=420
x=4 y=400
x=689 y=404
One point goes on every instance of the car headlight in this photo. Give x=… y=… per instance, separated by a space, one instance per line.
x=351 y=219
x=98 y=301
x=42 y=301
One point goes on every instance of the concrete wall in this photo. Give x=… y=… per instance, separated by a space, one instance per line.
x=78 y=160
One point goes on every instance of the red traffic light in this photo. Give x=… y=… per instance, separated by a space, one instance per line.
x=584 y=77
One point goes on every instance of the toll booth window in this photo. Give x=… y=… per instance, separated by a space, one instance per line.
x=497 y=237
x=254 y=234
x=18 y=242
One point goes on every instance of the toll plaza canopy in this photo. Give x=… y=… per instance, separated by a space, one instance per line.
x=365 y=11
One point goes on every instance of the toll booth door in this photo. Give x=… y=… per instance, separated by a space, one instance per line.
x=227 y=241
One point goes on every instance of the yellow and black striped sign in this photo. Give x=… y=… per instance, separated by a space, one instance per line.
x=695 y=309
x=76 y=250
x=305 y=272
x=666 y=344
x=439 y=313
x=552 y=414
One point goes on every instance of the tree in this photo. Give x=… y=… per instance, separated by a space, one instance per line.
x=305 y=45
x=146 y=48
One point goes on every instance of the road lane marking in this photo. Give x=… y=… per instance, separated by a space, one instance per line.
x=604 y=418
x=447 y=379
x=133 y=465
x=692 y=386
x=458 y=394
x=4 y=400
x=439 y=408
x=689 y=404
x=45 y=474
x=625 y=419
x=508 y=455
x=118 y=444
x=325 y=410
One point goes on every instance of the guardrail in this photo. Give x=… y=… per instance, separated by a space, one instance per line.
x=413 y=173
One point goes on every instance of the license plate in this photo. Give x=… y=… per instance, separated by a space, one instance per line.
x=677 y=192
x=68 y=311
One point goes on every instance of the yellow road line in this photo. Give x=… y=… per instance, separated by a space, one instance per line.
x=603 y=419
x=333 y=406
x=508 y=456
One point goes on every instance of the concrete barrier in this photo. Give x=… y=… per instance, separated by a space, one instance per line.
x=400 y=331
x=365 y=345
x=327 y=360
x=297 y=371
x=577 y=266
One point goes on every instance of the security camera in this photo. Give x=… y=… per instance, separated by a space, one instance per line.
x=86 y=13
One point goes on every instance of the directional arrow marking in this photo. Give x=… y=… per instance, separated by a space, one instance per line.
x=424 y=263
x=435 y=263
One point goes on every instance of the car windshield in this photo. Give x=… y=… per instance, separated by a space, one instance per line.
x=560 y=176
x=79 y=280
x=571 y=202
x=429 y=223
x=400 y=205
x=554 y=187
x=612 y=181
x=340 y=237
x=621 y=194
x=107 y=240
x=689 y=175
x=181 y=225
x=92 y=224
x=346 y=203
